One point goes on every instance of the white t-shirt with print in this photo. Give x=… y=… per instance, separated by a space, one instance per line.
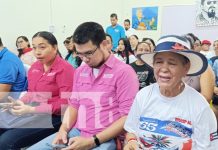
x=182 y=122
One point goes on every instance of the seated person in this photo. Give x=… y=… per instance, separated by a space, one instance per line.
x=25 y=52
x=12 y=76
x=71 y=57
x=104 y=89
x=48 y=78
x=144 y=72
x=124 y=51
x=170 y=114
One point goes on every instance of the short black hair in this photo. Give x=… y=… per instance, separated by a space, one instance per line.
x=113 y=15
x=67 y=40
x=127 y=20
x=89 y=31
x=109 y=36
x=1 y=44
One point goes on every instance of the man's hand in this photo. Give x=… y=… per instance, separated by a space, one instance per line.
x=80 y=143
x=20 y=108
x=61 y=137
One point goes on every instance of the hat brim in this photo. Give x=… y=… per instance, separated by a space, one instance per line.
x=198 y=62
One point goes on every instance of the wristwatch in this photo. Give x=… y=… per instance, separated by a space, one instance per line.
x=97 y=142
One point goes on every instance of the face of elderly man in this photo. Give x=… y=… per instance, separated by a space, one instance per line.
x=209 y=6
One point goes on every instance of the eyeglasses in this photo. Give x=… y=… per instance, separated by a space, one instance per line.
x=87 y=54
x=209 y=2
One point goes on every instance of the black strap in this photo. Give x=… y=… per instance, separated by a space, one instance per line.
x=97 y=142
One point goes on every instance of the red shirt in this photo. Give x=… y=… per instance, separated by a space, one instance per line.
x=45 y=88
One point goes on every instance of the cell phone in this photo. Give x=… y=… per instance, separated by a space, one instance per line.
x=57 y=146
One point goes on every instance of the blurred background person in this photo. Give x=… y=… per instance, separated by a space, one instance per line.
x=72 y=57
x=151 y=42
x=144 y=71
x=115 y=30
x=124 y=51
x=134 y=40
x=128 y=29
x=25 y=51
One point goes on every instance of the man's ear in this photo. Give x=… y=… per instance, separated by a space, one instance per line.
x=103 y=44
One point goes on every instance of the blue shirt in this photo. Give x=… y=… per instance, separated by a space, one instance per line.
x=72 y=61
x=12 y=71
x=116 y=33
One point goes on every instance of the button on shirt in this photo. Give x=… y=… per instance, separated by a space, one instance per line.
x=103 y=99
x=46 y=88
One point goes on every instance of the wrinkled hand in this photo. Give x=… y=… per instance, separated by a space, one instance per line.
x=61 y=137
x=80 y=143
x=20 y=108
x=131 y=145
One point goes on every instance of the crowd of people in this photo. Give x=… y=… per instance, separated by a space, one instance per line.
x=111 y=89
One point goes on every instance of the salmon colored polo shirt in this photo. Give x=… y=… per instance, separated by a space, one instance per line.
x=45 y=88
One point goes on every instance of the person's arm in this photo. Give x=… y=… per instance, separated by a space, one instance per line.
x=207 y=83
x=132 y=143
x=132 y=123
x=128 y=81
x=69 y=120
x=64 y=81
x=4 y=90
x=8 y=77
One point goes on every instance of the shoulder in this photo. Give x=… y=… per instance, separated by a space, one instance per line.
x=64 y=66
x=146 y=91
x=195 y=98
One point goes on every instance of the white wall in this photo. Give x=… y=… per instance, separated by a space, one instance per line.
x=129 y=4
x=26 y=17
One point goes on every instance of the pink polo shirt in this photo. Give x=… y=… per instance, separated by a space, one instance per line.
x=45 y=88
x=103 y=99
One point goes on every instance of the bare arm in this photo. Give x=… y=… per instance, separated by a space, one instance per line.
x=112 y=131
x=4 y=90
x=70 y=117
x=207 y=83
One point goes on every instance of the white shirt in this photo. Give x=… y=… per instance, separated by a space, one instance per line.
x=130 y=32
x=160 y=122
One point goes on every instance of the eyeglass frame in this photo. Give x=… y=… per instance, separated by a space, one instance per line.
x=87 y=54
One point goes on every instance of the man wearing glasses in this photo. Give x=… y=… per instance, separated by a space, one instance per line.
x=103 y=92
x=208 y=14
